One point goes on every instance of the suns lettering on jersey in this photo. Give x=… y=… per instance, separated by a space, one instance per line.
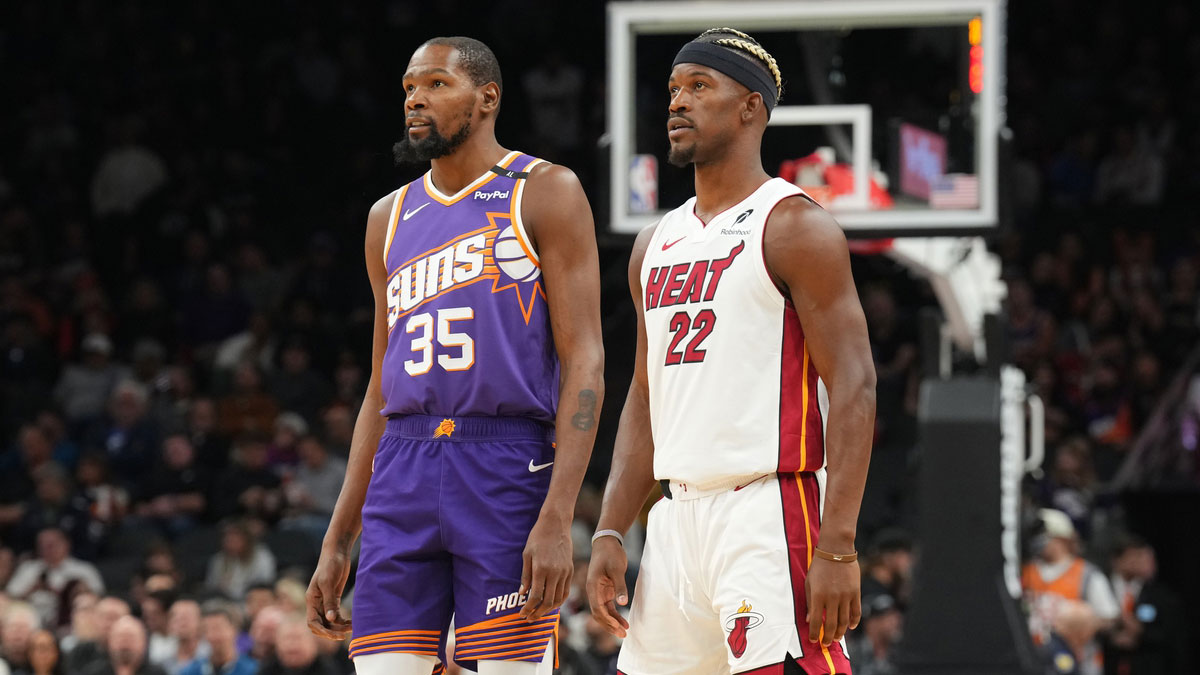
x=472 y=257
x=457 y=264
x=460 y=262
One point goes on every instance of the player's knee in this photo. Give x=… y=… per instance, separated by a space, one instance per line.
x=793 y=667
x=545 y=667
x=393 y=663
x=514 y=668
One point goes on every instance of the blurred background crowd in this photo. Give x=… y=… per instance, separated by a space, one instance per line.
x=185 y=321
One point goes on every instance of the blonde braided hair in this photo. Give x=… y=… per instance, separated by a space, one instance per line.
x=743 y=42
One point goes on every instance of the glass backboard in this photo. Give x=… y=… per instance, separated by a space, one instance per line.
x=890 y=118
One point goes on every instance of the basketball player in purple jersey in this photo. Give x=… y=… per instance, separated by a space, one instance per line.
x=752 y=402
x=480 y=414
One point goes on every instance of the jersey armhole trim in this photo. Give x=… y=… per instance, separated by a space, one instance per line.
x=655 y=236
x=515 y=213
x=393 y=220
x=764 y=270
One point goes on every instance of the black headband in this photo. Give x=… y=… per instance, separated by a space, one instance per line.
x=732 y=64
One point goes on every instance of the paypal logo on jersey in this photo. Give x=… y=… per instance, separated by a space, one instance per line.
x=488 y=196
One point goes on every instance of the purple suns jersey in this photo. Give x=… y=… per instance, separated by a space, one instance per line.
x=468 y=327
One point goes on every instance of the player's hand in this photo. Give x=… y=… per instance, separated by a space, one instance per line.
x=548 y=567
x=834 y=603
x=324 y=596
x=606 y=584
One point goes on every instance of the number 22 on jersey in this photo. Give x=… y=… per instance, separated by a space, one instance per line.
x=427 y=330
x=682 y=324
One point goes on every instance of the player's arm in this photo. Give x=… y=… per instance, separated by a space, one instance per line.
x=806 y=253
x=325 y=590
x=632 y=474
x=559 y=221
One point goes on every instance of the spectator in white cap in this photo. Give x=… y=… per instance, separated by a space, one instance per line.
x=283 y=451
x=126 y=436
x=83 y=388
x=1056 y=576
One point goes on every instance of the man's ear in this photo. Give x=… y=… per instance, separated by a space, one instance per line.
x=750 y=110
x=489 y=98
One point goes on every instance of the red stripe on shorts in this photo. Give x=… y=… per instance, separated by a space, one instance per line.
x=773 y=669
x=801 y=496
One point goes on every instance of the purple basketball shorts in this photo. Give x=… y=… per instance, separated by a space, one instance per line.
x=448 y=510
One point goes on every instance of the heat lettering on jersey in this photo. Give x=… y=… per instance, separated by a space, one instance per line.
x=689 y=282
x=426 y=277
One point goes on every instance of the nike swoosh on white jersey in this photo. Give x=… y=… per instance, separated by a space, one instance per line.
x=534 y=468
x=410 y=214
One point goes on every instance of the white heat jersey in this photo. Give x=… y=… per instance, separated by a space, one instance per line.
x=733 y=392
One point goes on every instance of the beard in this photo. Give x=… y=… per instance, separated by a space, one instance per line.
x=681 y=155
x=433 y=146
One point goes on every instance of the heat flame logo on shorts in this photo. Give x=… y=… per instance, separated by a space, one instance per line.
x=738 y=624
x=445 y=428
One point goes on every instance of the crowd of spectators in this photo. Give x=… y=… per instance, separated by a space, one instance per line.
x=1101 y=259
x=1104 y=313
x=185 y=326
x=184 y=322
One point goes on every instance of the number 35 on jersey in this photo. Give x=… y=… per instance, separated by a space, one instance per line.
x=453 y=266
x=457 y=348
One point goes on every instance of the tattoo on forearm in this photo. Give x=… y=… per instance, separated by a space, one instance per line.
x=346 y=541
x=585 y=419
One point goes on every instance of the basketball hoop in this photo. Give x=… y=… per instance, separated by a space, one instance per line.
x=964 y=275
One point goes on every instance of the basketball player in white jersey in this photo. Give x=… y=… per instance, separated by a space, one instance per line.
x=752 y=403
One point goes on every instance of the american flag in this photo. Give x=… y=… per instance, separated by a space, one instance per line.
x=955 y=191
